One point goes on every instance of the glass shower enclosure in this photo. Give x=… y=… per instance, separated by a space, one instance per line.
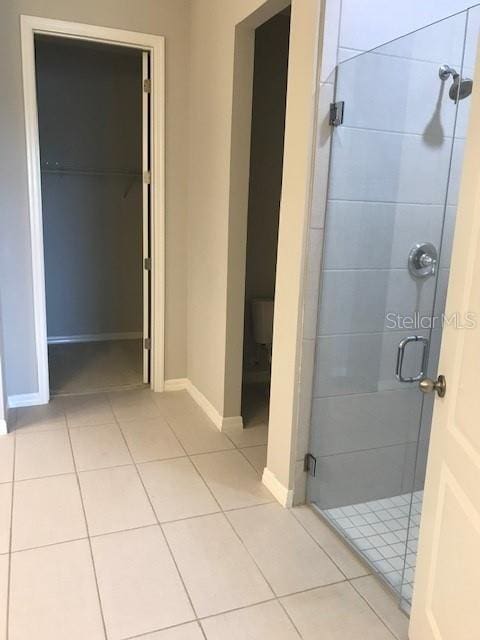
x=399 y=122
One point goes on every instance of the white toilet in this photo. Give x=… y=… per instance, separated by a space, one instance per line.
x=262 y=320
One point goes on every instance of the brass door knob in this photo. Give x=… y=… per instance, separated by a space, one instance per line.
x=439 y=385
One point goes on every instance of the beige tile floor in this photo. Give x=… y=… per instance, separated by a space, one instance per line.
x=128 y=515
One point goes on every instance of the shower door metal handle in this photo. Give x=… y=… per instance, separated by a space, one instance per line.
x=401 y=356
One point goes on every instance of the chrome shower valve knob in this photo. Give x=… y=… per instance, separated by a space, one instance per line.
x=422 y=260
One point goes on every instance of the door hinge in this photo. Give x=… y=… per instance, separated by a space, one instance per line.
x=310 y=464
x=147 y=177
x=147 y=264
x=147 y=85
x=336 y=113
x=147 y=343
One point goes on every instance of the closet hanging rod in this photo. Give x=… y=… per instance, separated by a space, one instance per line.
x=91 y=172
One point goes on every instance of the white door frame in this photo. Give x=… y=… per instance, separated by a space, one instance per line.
x=155 y=45
x=146 y=217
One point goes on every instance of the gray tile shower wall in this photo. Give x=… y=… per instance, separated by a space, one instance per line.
x=393 y=158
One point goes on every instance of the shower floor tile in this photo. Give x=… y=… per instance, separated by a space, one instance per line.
x=380 y=530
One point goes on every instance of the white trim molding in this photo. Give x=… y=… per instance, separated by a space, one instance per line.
x=221 y=422
x=155 y=45
x=206 y=405
x=176 y=384
x=95 y=337
x=3 y=427
x=24 y=400
x=276 y=488
x=232 y=422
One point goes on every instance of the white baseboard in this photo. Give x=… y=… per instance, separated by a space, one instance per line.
x=95 y=337
x=279 y=491
x=206 y=405
x=26 y=400
x=3 y=427
x=177 y=384
x=232 y=422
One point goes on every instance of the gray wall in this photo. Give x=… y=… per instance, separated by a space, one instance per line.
x=266 y=163
x=90 y=116
x=169 y=18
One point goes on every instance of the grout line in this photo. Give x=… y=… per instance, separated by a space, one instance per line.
x=49 y=544
x=18 y=430
x=50 y=475
x=394 y=635
x=452 y=138
x=205 y=483
x=210 y=453
x=439 y=205
x=195 y=622
x=202 y=630
x=104 y=534
x=242 y=608
x=377 y=52
x=79 y=427
x=259 y=475
x=9 y=577
x=163 y=459
x=144 y=526
x=199 y=620
x=164 y=522
x=344 y=453
x=319 y=545
x=374 y=269
x=251 y=556
x=223 y=512
x=114 y=466
x=167 y=418
x=206 y=453
x=287 y=613
x=88 y=536
x=275 y=598
x=170 y=549
x=253 y=446
x=157 y=520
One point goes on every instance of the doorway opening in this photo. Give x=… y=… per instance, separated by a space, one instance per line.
x=94 y=133
x=265 y=184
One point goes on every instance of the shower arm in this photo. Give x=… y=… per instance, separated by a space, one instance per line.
x=445 y=71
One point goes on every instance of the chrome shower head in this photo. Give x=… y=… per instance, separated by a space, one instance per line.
x=461 y=87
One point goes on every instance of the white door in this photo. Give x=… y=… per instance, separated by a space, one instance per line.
x=446 y=602
x=146 y=200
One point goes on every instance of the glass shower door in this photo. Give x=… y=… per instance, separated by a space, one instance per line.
x=384 y=279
